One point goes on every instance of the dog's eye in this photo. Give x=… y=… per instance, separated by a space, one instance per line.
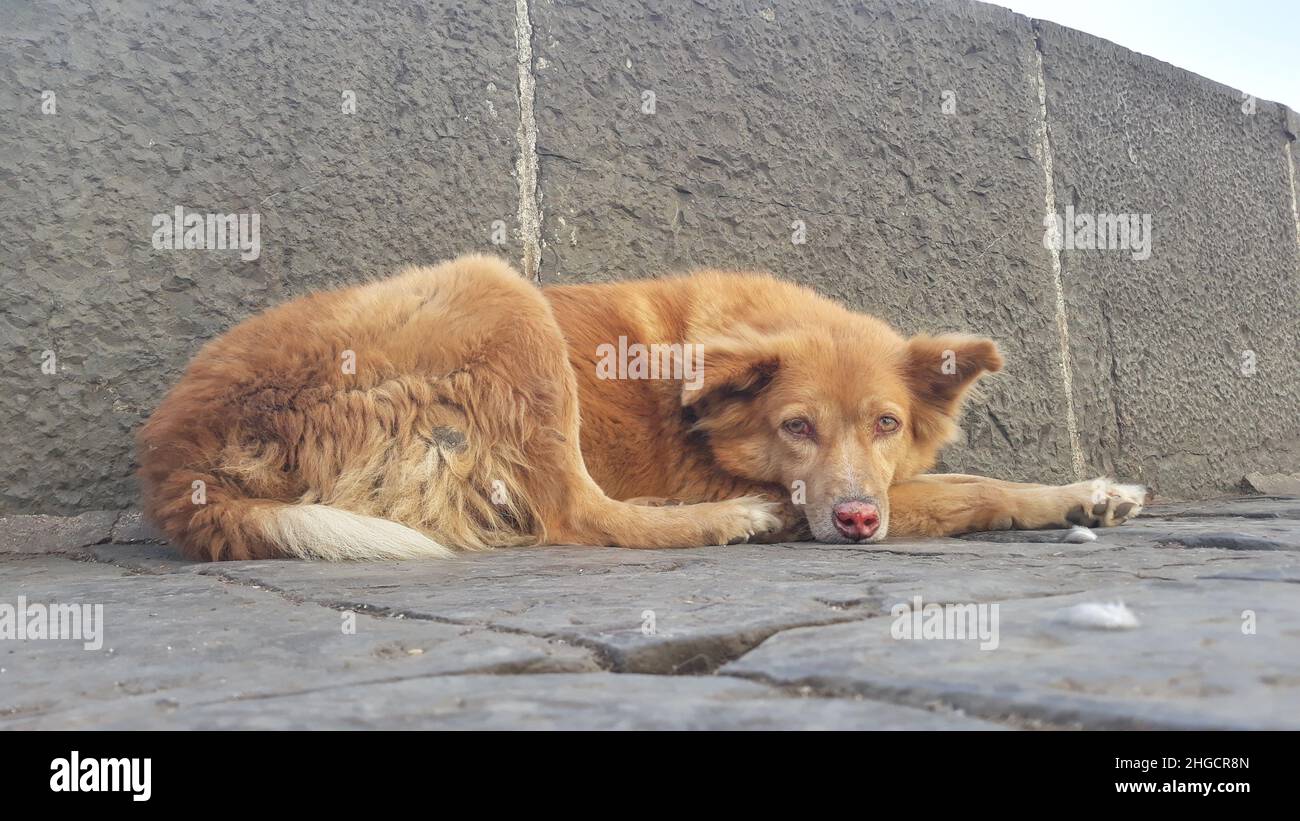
x=887 y=424
x=798 y=427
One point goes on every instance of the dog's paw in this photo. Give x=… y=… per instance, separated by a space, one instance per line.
x=1106 y=503
x=750 y=516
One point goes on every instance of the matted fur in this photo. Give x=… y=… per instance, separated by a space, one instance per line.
x=459 y=426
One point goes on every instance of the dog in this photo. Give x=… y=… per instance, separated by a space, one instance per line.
x=461 y=407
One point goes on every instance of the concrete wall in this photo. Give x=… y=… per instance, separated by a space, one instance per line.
x=914 y=148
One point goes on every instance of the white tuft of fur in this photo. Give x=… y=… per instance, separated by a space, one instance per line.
x=1132 y=493
x=1079 y=535
x=334 y=534
x=1099 y=616
x=1104 y=489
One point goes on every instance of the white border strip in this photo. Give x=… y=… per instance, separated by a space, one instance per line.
x=1062 y=321
x=530 y=212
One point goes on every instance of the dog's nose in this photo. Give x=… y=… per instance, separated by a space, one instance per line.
x=857 y=520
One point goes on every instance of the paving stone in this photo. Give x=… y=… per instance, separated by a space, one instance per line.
x=660 y=612
x=1188 y=665
x=1228 y=540
x=1228 y=533
x=598 y=701
x=1018 y=536
x=175 y=641
x=1250 y=507
x=55 y=534
x=709 y=605
x=249 y=635
x=1285 y=574
x=131 y=527
x=1287 y=484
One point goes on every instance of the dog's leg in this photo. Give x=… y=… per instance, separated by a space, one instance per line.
x=523 y=381
x=969 y=478
x=793 y=525
x=947 y=505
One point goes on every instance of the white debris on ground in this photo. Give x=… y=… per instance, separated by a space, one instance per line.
x=1079 y=535
x=1099 y=616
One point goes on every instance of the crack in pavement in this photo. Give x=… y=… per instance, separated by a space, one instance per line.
x=660 y=658
x=704 y=649
x=513 y=668
x=712 y=650
x=975 y=705
x=925 y=702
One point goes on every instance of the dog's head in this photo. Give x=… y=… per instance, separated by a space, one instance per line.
x=835 y=413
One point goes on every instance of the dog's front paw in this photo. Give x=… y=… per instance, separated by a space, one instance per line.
x=748 y=517
x=1106 y=503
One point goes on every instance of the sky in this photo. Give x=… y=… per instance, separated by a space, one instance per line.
x=1251 y=45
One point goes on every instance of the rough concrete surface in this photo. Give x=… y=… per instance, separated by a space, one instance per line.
x=1161 y=345
x=901 y=141
x=741 y=637
x=811 y=140
x=227 y=109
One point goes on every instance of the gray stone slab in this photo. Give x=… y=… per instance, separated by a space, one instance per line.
x=219 y=108
x=1283 y=484
x=178 y=641
x=145 y=557
x=131 y=527
x=706 y=606
x=1054 y=536
x=709 y=605
x=1159 y=344
x=830 y=114
x=1249 y=507
x=1235 y=533
x=1236 y=540
x=55 y=534
x=597 y=701
x=1225 y=532
x=462 y=643
x=1288 y=575
x=1187 y=665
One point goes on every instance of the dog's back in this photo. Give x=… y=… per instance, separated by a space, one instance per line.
x=394 y=420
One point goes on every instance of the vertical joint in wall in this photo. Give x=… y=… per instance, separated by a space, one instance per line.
x=1290 y=173
x=530 y=212
x=1044 y=148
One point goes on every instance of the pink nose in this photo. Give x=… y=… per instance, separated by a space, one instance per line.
x=857 y=520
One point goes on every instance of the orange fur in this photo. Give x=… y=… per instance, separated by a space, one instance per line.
x=459 y=425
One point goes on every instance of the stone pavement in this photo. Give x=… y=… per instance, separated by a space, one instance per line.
x=747 y=636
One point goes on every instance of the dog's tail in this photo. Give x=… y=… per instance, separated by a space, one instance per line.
x=210 y=521
x=334 y=534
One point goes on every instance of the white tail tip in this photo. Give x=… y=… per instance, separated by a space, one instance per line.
x=334 y=534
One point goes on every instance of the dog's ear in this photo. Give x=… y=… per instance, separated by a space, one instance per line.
x=739 y=364
x=940 y=369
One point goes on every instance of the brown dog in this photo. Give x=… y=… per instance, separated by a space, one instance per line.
x=440 y=409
